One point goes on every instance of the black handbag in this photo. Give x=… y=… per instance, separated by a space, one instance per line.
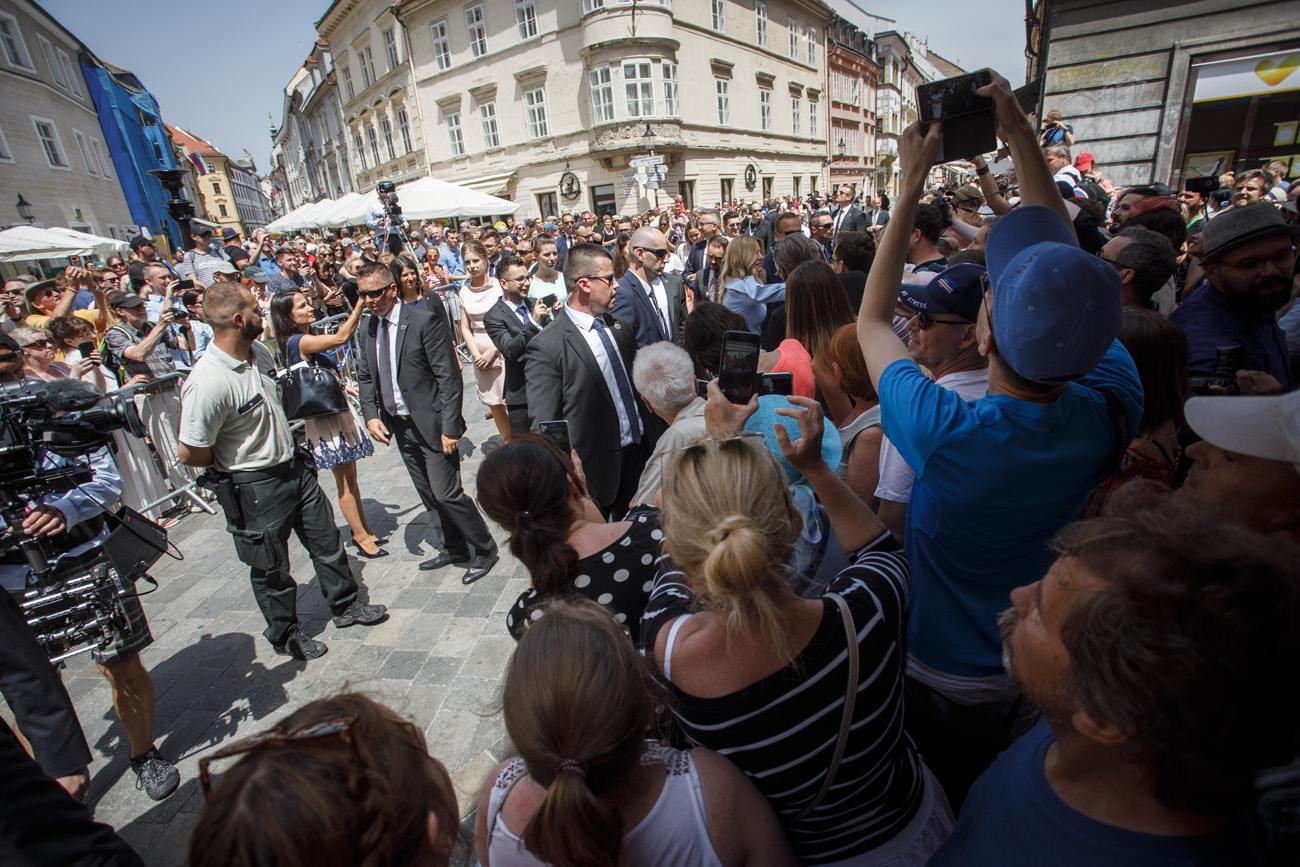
x=309 y=391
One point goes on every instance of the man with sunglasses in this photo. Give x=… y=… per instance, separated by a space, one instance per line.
x=11 y=316
x=652 y=302
x=511 y=323
x=708 y=224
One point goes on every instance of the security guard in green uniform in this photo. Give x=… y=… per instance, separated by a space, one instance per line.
x=232 y=421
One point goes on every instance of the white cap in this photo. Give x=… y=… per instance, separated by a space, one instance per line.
x=1262 y=427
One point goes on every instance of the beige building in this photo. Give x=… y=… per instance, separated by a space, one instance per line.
x=229 y=192
x=52 y=151
x=547 y=103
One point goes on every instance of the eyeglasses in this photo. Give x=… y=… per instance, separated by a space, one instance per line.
x=824 y=225
x=53 y=292
x=1283 y=259
x=374 y=293
x=608 y=278
x=925 y=320
x=39 y=344
x=341 y=726
x=659 y=253
x=523 y=279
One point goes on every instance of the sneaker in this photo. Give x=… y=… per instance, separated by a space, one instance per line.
x=359 y=612
x=157 y=776
x=299 y=646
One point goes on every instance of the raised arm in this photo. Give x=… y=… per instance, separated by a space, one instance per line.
x=313 y=343
x=1036 y=184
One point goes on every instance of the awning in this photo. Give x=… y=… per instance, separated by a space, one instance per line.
x=28 y=243
x=493 y=185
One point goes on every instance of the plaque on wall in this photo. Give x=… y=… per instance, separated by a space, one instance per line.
x=569 y=186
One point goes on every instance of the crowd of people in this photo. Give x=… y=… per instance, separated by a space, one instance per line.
x=1009 y=573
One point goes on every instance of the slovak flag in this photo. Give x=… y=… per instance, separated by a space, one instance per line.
x=199 y=167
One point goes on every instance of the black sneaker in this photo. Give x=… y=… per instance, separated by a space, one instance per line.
x=299 y=646
x=358 y=612
x=157 y=776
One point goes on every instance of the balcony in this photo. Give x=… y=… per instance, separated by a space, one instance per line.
x=624 y=138
x=611 y=26
x=886 y=147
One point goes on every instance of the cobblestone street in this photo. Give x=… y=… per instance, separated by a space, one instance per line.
x=437 y=660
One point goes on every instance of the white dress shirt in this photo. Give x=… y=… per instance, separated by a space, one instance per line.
x=587 y=325
x=392 y=318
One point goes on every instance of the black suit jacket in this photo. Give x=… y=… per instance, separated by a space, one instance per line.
x=511 y=336
x=426 y=371
x=854 y=220
x=564 y=382
x=632 y=305
x=877 y=218
x=696 y=260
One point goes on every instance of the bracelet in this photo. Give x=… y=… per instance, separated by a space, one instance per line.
x=982 y=170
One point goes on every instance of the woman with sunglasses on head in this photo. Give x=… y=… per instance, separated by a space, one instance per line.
x=342 y=782
x=588 y=788
x=804 y=695
x=337 y=442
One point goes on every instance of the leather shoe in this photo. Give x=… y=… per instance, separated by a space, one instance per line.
x=480 y=566
x=443 y=559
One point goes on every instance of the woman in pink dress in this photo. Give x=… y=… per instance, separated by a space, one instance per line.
x=477 y=295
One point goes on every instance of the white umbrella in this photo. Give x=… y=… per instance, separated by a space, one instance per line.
x=23 y=243
x=432 y=199
x=286 y=223
x=336 y=214
x=309 y=216
x=100 y=245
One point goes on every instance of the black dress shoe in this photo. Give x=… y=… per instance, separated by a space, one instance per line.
x=380 y=552
x=444 y=559
x=480 y=566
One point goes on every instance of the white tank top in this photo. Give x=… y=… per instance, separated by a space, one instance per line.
x=673 y=832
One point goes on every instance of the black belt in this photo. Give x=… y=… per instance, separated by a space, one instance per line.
x=279 y=471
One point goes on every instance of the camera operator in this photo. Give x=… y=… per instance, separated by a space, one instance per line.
x=385 y=218
x=72 y=530
x=1056 y=131
x=164 y=293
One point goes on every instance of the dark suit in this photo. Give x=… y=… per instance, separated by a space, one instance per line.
x=697 y=259
x=564 y=381
x=766 y=231
x=854 y=283
x=633 y=306
x=431 y=388
x=511 y=337
x=854 y=220
x=877 y=218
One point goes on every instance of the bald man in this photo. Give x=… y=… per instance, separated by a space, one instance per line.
x=651 y=302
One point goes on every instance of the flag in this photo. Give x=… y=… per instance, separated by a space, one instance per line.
x=199 y=167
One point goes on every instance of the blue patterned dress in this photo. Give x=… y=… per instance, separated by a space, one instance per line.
x=334 y=440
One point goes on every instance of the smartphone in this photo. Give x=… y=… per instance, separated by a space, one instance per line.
x=549 y=300
x=738 y=367
x=85 y=348
x=557 y=432
x=776 y=383
x=182 y=285
x=75 y=260
x=1203 y=185
x=968 y=127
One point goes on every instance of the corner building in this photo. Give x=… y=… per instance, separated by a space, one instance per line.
x=546 y=102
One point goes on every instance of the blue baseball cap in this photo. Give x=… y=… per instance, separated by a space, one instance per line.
x=1056 y=309
x=958 y=291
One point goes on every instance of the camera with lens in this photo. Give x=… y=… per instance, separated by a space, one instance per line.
x=388 y=195
x=1227 y=361
x=80 y=611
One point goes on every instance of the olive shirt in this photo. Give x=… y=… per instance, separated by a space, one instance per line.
x=231 y=407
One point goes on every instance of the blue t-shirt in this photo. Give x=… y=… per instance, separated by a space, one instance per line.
x=996 y=478
x=1209 y=320
x=1012 y=818
x=452 y=260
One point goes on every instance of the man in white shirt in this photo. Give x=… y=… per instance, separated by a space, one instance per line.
x=652 y=302
x=1062 y=166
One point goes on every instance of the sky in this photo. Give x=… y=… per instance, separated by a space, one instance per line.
x=219 y=72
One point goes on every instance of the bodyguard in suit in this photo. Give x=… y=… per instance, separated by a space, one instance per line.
x=877 y=216
x=709 y=227
x=649 y=300
x=580 y=369
x=411 y=391
x=511 y=325
x=846 y=217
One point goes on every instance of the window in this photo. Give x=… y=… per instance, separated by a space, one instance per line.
x=794 y=115
x=812 y=119
x=374 y=144
x=671 y=106
x=388 y=137
x=55 y=69
x=85 y=152
x=592 y=5
x=6 y=155
x=794 y=40
x=370 y=64
x=835 y=86
x=760 y=24
x=455 y=135
x=727 y=184
x=49 y=137
x=365 y=73
x=639 y=89
x=718 y=14
x=72 y=71
x=797 y=180
x=361 y=150
x=765 y=109
x=347 y=83
x=15 y=46
x=536 y=101
x=477 y=31
x=390 y=43
x=722 y=88
x=857 y=92
x=526 y=18
x=546 y=206
x=221 y=209
x=602 y=200
x=207 y=164
x=487 y=115
x=404 y=125
x=812 y=46
x=216 y=188
x=602 y=95
x=441 y=45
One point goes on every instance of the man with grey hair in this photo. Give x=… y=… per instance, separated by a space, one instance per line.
x=1145 y=261
x=665 y=376
x=1062 y=165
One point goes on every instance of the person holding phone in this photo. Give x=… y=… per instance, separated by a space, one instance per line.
x=511 y=324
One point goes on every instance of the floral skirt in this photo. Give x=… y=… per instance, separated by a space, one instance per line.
x=336 y=440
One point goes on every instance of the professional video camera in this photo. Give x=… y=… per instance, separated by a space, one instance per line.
x=388 y=195
x=69 y=615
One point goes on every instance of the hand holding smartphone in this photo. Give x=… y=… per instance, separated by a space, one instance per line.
x=738 y=366
x=557 y=432
x=968 y=127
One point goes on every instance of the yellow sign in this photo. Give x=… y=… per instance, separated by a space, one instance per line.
x=1248 y=76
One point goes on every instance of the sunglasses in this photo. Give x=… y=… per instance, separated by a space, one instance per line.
x=373 y=293
x=659 y=253
x=925 y=320
x=8 y=357
x=718 y=440
x=340 y=726
x=39 y=344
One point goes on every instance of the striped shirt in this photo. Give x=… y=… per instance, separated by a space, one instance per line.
x=782 y=730
x=199 y=266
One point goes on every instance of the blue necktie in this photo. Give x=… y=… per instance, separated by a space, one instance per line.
x=620 y=377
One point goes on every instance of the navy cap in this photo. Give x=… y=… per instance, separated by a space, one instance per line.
x=1056 y=309
x=958 y=291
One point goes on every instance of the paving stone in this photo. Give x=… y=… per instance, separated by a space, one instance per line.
x=439 y=670
x=402 y=665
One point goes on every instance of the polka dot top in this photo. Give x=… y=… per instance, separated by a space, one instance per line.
x=619 y=576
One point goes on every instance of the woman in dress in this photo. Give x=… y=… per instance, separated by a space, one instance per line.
x=337 y=441
x=477 y=295
x=587 y=787
x=538 y=495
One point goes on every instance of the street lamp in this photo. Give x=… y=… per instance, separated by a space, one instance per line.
x=25 y=210
x=648 y=137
